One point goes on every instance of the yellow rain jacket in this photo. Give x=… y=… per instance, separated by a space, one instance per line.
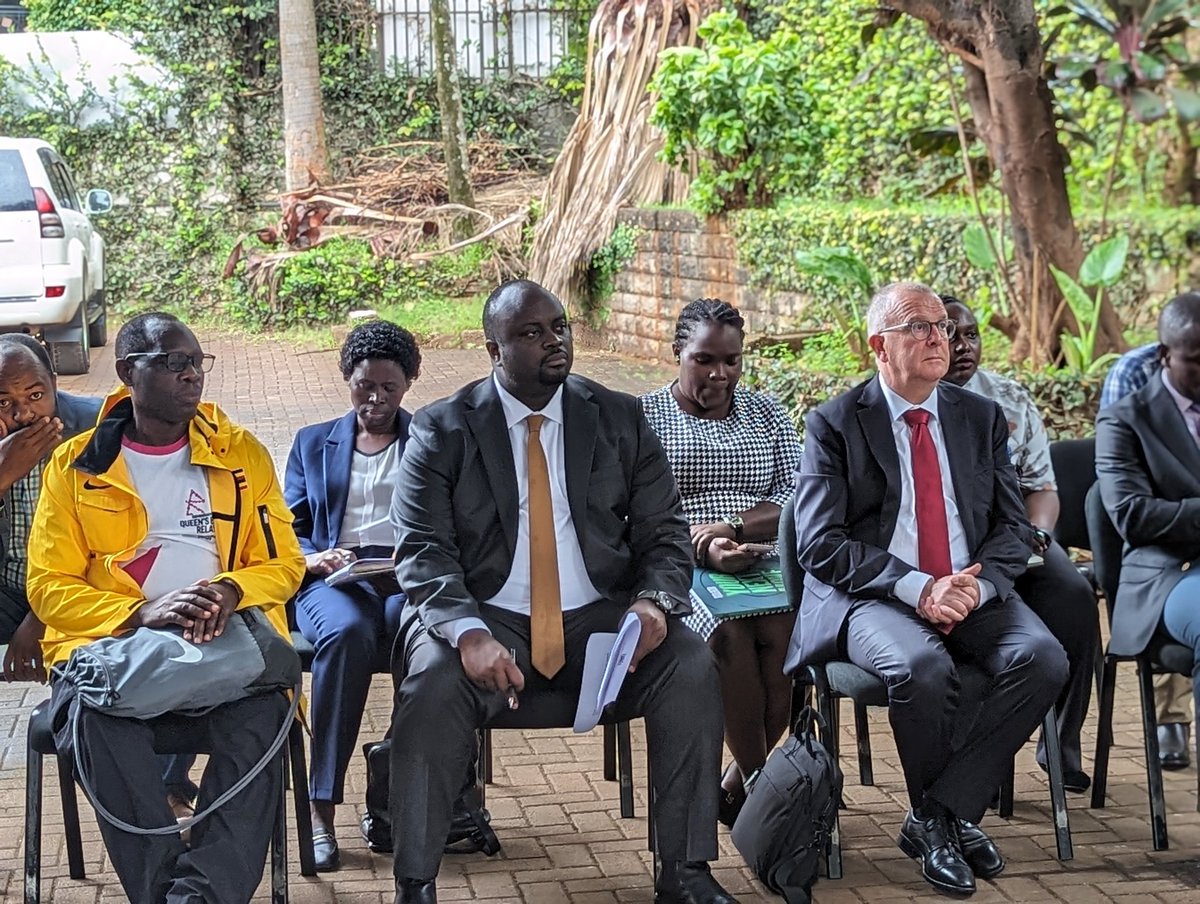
x=90 y=522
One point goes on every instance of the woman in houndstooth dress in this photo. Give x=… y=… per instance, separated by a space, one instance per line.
x=733 y=452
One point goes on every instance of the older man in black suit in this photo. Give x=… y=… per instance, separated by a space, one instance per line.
x=1148 y=467
x=911 y=530
x=534 y=509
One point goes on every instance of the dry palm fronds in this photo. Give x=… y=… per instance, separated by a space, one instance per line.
x=610 y=156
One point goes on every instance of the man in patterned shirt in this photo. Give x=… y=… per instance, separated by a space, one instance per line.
x=34 y=418
x=1055 y=590
x=1172 y=693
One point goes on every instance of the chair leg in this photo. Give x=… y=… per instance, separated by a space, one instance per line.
x=299 y=773
x=651 y=836
x=1158 y=804
x=33 y=826
x=1104 y=738
x=485 y=755
x=1005 y=810
x=279 y=858
x=1058 y=793
x=862 y=734
x=624 y=757
x=70 y=808
x=610 y=753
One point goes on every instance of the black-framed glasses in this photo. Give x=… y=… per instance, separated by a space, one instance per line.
x=921 y=329
x=178 y=362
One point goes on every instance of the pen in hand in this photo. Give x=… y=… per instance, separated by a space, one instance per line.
x=510 y=691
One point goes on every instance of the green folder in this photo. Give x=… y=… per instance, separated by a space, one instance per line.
x=754 y=592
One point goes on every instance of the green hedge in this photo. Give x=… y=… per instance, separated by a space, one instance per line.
x=925 y=243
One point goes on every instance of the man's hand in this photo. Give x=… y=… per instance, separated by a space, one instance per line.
x=704 y=534
x=654 y=630
x=951 y=598
x=22 y=450
x=487 y=663
x=23 y=661
x=726 y=556
x=327 y=562
x=195 y=608
x=228 y=599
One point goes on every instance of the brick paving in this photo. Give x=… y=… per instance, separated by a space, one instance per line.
x=558 y=820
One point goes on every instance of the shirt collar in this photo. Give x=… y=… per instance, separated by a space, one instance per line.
x=515 y=411
x=1182 y=401
x=898 y=405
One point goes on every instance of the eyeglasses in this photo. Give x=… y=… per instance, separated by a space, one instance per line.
x=178 y=362
x=921 y=329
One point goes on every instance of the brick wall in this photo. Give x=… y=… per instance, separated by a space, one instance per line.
x=681 y=257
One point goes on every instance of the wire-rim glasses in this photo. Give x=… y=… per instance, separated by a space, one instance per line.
x=921 y=329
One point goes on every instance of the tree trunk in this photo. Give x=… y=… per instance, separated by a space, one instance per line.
x=1183 y=181
x=454 y=129
x=1000 y=45
x=304 y=149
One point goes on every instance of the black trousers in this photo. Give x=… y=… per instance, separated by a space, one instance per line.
x=960 y=769
x=224 y=864
x=13 y=609
x=438 y=710
x=1063 y=599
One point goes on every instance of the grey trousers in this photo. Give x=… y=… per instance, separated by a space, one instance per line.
x=438 y=710
x=225 y=862
x=958 y=769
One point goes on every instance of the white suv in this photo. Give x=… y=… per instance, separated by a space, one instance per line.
x=51 y=259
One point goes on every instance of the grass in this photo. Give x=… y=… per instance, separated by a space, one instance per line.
x=436 y=315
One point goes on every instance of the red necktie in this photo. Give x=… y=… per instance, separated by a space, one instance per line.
x=933 y=536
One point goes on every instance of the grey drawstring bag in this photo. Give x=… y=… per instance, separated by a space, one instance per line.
x=153 y=671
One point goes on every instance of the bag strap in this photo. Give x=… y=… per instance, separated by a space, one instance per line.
x=176 y=827
x=804 y=725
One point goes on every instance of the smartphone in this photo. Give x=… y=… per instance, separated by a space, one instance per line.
x=758 y=549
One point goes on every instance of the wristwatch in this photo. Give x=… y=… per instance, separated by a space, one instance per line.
x=738 y=525
x=660 y=599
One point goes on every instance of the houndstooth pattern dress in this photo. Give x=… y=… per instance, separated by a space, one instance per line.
x=725 y=467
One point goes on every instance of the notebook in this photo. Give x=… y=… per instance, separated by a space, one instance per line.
x=754 y=592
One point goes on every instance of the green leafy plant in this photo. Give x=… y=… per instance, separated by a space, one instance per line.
x=607 y=261
x=845 y=270
x=1101 y=269
x=738 y=105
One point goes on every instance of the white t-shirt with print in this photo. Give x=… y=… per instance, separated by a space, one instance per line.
x=180 y=547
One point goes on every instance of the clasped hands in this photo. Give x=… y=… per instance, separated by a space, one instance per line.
x=949 y=600
x=202 y=609
x=489 y=664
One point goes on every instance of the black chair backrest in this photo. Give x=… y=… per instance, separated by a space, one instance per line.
x=1107 y=547
x=1074 y=463
x=793 y=576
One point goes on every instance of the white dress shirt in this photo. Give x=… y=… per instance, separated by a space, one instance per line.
x=1187 y=408
x=575 y=587
x=904 y=539
x=373 y=478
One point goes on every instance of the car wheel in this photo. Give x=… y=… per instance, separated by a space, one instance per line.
x=98 y=329
x=72 y=358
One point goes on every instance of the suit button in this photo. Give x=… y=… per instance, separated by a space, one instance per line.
x=1185 y=566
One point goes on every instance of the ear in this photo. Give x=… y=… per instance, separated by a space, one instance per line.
x=125 y=372
x=876 y=344
x=493 y=350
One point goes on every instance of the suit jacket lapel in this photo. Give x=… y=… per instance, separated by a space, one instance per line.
x=875 y=420
x=959 y=455
x=485 y=419
x=338 y=459
x=1168 y=423
x=581 y=420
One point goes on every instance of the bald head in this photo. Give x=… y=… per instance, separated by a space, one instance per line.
x=509 y=297
x=1180 y=317
x=26 y=383
x=887 y=302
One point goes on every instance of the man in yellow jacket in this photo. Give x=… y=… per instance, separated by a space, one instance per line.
x=167 y=514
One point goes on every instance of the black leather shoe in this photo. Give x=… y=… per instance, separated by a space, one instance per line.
x=1173 y=745
x=325 y=852
x=689 y=883
x=1074 y=781
x=416 y=891
x=935 y=844
x=978 y=850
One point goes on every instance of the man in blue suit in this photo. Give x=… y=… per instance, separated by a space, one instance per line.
x=911 y=530
x=340 y=478
x=34 y=418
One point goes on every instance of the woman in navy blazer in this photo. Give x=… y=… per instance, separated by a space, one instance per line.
x=340 y=477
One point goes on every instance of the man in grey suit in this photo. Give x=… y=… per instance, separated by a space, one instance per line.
x=1148 y=467
x=911 y=530
x=534 y=509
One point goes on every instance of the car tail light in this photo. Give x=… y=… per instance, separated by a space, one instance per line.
x=52 y=226
x=56 y=291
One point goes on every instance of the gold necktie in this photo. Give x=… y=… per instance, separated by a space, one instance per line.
x=545 y=600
